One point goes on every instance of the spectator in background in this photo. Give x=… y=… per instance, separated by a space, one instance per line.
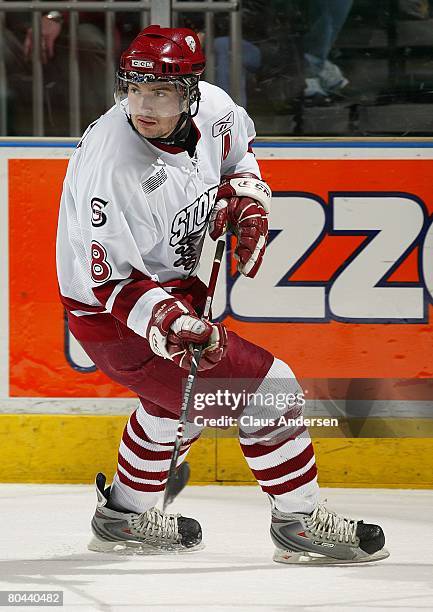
x=251 y=54
x=91 y=59
x=322 y=77
x=251 y=62
x=11 y=45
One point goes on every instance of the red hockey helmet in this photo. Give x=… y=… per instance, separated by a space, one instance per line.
x=172 y=55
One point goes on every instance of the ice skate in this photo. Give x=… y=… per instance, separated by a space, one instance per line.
x=324 y=537
x=150 y=532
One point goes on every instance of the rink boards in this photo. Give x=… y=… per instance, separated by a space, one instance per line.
x=345 y=293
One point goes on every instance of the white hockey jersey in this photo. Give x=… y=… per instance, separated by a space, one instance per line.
x=133 y=216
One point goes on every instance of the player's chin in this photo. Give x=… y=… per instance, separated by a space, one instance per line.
x=147 y=128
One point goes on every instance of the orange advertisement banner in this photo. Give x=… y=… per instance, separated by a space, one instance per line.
x=346 y=291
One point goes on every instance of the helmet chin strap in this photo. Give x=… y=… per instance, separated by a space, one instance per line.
x=180 y=132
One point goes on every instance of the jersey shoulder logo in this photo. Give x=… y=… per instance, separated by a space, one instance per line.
x=223 y=125
x=99 y=218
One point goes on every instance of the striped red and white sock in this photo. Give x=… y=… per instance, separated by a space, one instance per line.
x=287 y=471
x=144 y=459
x=282 y=459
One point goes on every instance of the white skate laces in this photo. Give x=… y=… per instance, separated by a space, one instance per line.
x=325 y=524
x=154 y=526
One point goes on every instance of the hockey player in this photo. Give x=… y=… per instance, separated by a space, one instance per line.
x=170 y=161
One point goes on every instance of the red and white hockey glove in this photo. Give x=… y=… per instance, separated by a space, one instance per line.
x=242 y=205
x=173 y=330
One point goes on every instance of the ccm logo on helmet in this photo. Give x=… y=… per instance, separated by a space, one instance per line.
x=142 y=63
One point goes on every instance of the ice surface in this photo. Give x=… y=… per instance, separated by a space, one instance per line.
x=45 y=530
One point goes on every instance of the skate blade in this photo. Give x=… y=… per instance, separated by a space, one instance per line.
x=137 y=548
x=309 y=558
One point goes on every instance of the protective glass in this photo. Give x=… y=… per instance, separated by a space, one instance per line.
x=153 y=98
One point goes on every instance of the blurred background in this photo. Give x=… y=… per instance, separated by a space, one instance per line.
x=300 y=67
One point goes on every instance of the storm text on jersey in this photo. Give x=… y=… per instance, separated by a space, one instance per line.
x=188 y=226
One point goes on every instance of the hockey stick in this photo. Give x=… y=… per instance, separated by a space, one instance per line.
x=187 y=396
